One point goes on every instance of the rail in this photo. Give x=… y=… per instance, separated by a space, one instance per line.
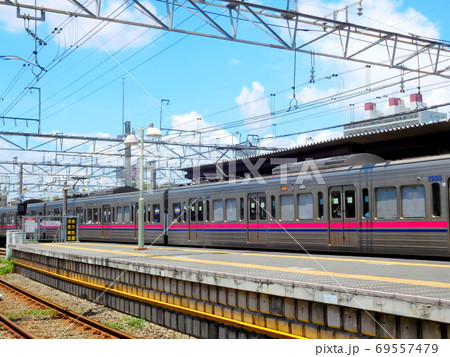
x=80 y=318
x=15 y=329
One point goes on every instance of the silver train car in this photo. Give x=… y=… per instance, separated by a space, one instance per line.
x=355 y=204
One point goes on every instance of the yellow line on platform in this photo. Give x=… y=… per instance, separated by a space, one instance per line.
x=282 y=255
x=434 y=284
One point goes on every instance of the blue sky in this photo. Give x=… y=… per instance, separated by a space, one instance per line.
x=198 y=75
x=208 y=82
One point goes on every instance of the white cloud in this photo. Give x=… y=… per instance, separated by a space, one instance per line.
x=195 y=122
x=313 y=93
x=9 y=21
x=388 y=15
x=254 y=108
x=280 y=143
x=325 y=135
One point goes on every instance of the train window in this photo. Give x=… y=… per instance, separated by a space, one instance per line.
x=262 y=208
x=200 y=211
x=149 y=213
x=113 y=214
x=413 y=201
x=208 y=211
x=335 y=201
x=242 y=209
x=287 y=210
x=350 y=211
x=95 y=215
x=273 y=207
x=365 y=203
x=193 y=212
x=119 y=215
x=176 y=212
x=230 y=205
x=252 y=209
x=89 y=215
x=436 y=196
x=132 y=213
x=386 y=202
x=156 y=213
x=79 y=213
x=320 y=205
x=184 y=212
x=305 y=206
x=107 y=215
x=126 y=214
x=218 y=210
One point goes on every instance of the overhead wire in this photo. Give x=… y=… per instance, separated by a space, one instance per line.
x=112 y=68
x=35 y=80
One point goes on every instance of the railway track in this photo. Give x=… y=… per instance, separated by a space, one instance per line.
x=14 y=329
x=68 y=317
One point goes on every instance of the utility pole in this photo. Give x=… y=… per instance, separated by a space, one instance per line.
x=20 y=182
x=127 y=156
x=123 y=105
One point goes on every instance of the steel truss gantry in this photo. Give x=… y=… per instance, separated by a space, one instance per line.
x=71 y=158
x=283 y=28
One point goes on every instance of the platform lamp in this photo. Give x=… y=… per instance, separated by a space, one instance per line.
x=132 y=140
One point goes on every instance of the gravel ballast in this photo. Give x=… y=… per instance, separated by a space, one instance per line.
x=131 y=325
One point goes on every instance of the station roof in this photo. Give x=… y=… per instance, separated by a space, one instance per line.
x=390 y=144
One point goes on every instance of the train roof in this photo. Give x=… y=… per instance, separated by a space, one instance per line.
x=391 y=144
x=330 y=163
x=114 y=191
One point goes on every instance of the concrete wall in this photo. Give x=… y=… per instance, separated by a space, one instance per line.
x=214 y=310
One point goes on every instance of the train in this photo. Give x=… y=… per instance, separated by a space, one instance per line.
x=349 y=204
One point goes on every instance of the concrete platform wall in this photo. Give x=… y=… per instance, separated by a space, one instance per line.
x=153 y=294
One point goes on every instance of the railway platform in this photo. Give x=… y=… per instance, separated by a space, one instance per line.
x=211 y=293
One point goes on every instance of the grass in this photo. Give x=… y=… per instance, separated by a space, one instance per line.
x=6 y=266
x=28 y=313
x=133 y=322
x=116 y=325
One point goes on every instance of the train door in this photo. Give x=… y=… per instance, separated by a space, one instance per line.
x=343 y=228
x=196 y=219
x=106 y=221
x=257 y=218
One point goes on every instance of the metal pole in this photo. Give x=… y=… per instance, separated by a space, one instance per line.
x=141 y=197
x=123 y=106
x=64 y=211
x=127 y=158
x=20 y=182
x=64 y=215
